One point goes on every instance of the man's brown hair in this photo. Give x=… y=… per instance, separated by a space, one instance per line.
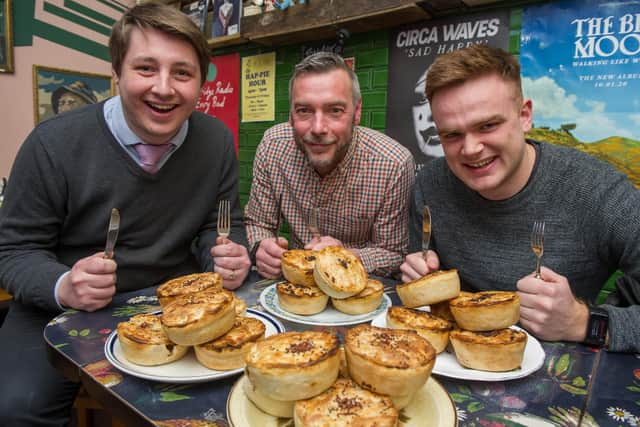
x=461 y=65
x=162 y=18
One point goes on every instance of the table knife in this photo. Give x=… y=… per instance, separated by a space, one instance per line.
x=426 y=231
x=112 y=233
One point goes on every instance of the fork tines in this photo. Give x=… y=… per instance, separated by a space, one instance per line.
x=537 y=243
x=224 y=218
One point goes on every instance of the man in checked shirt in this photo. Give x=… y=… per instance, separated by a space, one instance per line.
x=358 y=180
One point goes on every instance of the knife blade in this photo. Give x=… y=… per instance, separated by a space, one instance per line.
x=112 y=233
x=426 y=230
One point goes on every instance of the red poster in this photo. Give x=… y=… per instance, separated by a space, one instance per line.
x=220 y=94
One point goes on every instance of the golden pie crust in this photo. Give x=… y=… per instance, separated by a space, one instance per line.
x=301 y=299
x=433 y=288
x=364 y=302
x=277 y=408
x=197 y=318
x=240 y=306
x=229 y=351
x=144 y=342
x=346 y=404
x=388 y=361
x=294 y=365
x=495 y=351
x=297 y=266
x=339 y=273
x=443 y=310
x=189 y=284
x=432 y=328
x=486 y=310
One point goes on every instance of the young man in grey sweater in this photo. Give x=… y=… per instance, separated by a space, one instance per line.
x=74 y=168
x=491 y=186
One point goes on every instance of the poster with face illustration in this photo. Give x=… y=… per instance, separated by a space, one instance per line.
x=412 y=49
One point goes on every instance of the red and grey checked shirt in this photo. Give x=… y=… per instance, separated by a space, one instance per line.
x=364 y=202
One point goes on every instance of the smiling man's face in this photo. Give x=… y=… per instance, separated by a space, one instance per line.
x=159 y=84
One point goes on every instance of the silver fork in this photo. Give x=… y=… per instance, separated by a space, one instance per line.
x=313 y=223
x=224 y=218
x=537 y=243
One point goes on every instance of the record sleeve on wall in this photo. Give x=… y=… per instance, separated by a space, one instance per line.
x=412 y=49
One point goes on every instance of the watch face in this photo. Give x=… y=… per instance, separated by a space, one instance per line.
x=597 y=327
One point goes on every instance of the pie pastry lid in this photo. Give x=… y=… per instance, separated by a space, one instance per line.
x=433 y=288
x=297 y=266
x=345 y=403
x=339 y=273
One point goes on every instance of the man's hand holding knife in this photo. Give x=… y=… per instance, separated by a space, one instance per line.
x=91 y=283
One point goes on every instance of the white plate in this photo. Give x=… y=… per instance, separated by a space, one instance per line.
x=431 y=406
x=185 y=370
x=448 y=366
x=328 y=317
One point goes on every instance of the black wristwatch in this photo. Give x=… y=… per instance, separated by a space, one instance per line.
x=597 y=327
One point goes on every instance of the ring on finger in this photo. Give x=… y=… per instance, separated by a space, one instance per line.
x=232 y=275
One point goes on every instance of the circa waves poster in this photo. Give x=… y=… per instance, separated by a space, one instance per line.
x=412 y=49
x=219 y=96
x=581 y=67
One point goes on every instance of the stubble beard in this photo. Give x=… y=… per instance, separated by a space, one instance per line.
x=324 y=167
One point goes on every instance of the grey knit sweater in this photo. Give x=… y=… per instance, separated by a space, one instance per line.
x=68 y=175
x=592 y=228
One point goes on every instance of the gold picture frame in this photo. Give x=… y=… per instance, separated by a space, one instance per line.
x=56 y=90
x=6 y=37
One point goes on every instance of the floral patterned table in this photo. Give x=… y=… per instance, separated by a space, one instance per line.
x=576 y=385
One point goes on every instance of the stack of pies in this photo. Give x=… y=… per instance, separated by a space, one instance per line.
x=484 y=340
x=198 y=312
x=197 y=318
x=477 y=325
x=291 y=366
x=308 y=376
x=393 y=362
x=333 y=272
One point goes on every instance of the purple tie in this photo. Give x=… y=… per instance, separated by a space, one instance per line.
x=150 y=154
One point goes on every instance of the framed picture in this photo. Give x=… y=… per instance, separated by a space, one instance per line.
x=226 y=17
x=56 y=91
x=6 y=37
x=197 y=11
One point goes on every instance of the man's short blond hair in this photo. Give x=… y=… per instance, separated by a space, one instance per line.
x=465 y=64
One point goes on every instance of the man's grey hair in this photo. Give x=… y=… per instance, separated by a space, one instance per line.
x=324 y=62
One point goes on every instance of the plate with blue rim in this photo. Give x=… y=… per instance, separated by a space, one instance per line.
x=328 y=317
x=185 y=370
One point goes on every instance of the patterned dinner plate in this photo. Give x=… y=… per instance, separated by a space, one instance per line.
x=328 y=317
x=185 y=370
x=431 y=406
x=448 y=366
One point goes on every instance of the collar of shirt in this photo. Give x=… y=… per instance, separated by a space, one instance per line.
x=114 y=116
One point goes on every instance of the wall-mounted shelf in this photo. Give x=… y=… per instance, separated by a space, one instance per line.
x=225 y=41
x=316 y=20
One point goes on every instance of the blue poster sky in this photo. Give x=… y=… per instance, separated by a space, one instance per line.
x=581 y=64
